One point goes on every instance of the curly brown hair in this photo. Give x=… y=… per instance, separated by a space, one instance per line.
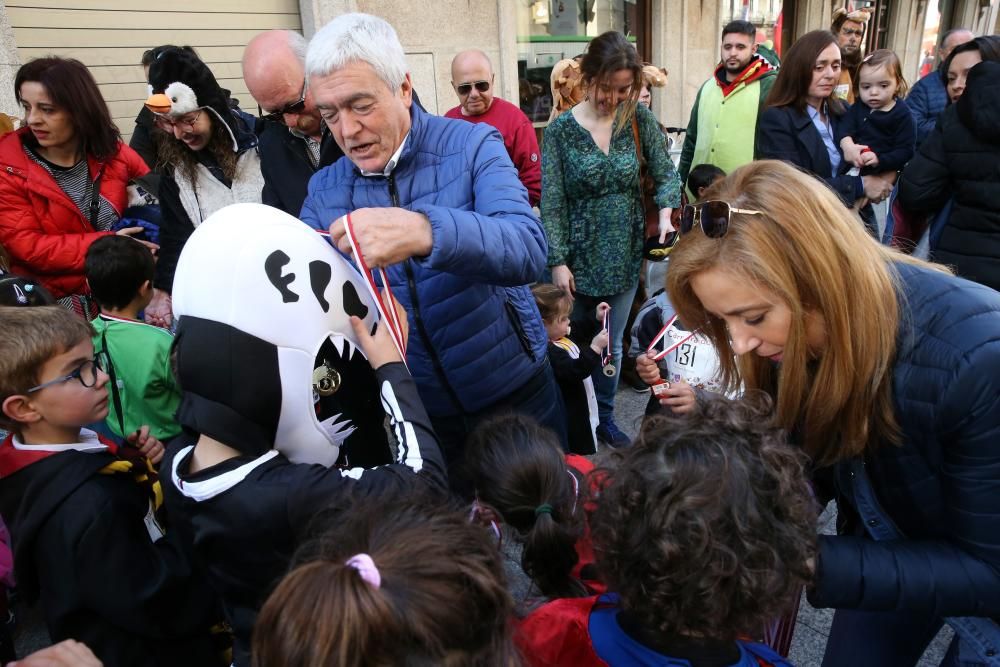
x=706 y=525
x=173 y=155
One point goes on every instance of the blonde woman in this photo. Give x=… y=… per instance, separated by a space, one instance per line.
x=886 y=370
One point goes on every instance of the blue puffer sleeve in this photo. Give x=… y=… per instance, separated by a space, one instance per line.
x=500 y=240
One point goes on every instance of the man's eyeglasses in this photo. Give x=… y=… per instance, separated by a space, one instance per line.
x=850 y=32
x=86 y=373
x=294 y=107
x=713 y=216
x=167 y=124
x=466 y=88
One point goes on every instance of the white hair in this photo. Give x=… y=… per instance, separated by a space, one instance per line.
x=298 y=44
x=353 y=38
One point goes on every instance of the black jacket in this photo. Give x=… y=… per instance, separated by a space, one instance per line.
x=570 y=374
x=82 y=548
x=284 y=162
x=961 y=159
x=941 y=485
x=244 y=536
x=142 y=143
x=785 y=133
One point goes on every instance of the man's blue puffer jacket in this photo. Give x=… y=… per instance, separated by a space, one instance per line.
x=941 y=486
x=475 y=333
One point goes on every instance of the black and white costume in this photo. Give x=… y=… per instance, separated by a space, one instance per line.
x=262 y=302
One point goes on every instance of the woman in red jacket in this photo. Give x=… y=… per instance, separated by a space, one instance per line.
x=62 y=178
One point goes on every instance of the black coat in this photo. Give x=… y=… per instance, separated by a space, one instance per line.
x=570 y=374
x=82 y=548
x=284 y=162
x=961 y=159
x=785 y=133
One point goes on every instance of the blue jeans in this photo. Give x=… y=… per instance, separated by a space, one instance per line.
x=583 y=307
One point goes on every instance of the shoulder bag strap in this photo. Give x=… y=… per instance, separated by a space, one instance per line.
x=95 y=199
x=113 y=380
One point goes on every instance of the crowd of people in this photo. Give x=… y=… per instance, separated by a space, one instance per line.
x=279 y=385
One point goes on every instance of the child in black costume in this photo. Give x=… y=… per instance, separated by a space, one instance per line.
x=231 y=481
x=573 y=361
x=81 y=510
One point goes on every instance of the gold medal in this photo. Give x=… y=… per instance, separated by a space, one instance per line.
x=326 y=380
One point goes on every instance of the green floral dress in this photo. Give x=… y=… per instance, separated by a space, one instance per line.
x=592 y=203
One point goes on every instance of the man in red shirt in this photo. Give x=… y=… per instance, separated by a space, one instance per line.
x=472 y=79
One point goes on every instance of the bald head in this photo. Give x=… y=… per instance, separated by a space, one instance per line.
x=953 y=38
x=274 y=71
x=472 y=79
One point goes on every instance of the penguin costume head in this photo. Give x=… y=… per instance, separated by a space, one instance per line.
x=179 y=83
x=265 y=353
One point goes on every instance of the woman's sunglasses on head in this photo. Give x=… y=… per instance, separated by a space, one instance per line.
x=712 y=216
x=466 y=88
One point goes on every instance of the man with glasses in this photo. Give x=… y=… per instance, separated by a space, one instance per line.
x=849 y=27
x=472 y=78
x=294 y=143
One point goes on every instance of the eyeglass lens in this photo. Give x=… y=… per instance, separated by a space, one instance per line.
x=715 y=219
x=466 y=88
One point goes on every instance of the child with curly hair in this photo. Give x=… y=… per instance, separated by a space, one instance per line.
x=703 y=531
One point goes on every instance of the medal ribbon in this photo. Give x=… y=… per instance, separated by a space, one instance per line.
x=658 y=355
x=384 y=304
x=606 y=327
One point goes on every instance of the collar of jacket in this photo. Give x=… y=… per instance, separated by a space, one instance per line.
x=757 y=68
x=15 y=161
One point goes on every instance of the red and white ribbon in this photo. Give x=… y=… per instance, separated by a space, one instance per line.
x=657 y=355
x=606 y=327
x=384 y=303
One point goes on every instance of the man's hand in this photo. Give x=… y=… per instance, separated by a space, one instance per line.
x=380 y=348
x=386 y=235
x=562 y=278
x=159 y=312
x=147 y=445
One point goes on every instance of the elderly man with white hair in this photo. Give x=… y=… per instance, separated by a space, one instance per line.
x=438 y=203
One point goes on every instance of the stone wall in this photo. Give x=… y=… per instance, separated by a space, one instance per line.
x=8 y=65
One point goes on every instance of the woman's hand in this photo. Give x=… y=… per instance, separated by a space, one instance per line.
x=647 y=369
x=380 y=348
x=562 y=278
x=679 y=397
x=159 y=312
x=876 y=189
x=665 y=225
x=132 y=231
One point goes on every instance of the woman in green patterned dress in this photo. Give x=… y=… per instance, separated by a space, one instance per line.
x=592 y=199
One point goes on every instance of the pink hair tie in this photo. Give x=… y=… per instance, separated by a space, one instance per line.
x=365 y=566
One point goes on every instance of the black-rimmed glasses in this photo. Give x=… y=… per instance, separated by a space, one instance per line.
x=294 y=107
x=466 y=88
x=712 y=216
x=86 y=373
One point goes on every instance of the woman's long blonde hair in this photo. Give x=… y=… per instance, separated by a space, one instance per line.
x=809 y=251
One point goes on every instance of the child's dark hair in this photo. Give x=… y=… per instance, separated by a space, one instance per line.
x=116 y=267
x=889 y=60
x=519 y=471
x=436 y=593
x=552 y=301
x=706 y=525
x=702 y=176
x=17 y=291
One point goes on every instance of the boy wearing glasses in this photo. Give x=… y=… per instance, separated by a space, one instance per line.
x=472 y=78
x=81 y=510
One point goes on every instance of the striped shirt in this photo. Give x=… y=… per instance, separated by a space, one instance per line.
x=75 y=182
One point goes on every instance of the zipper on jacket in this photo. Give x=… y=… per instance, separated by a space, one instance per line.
x=518 y=326
x=418 y=320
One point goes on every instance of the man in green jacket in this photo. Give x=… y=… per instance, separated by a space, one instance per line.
x=724 y=118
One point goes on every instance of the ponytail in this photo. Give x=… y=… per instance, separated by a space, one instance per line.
x=520 y=472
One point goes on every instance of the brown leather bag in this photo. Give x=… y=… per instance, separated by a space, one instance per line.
x=651 y=211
